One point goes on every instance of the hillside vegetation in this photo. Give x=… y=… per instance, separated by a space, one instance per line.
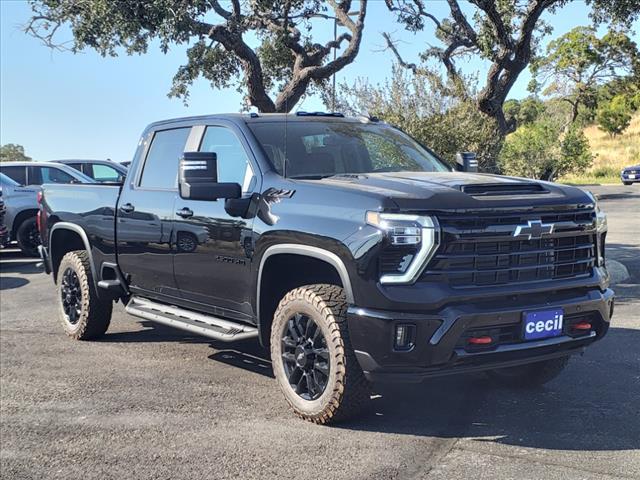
x=612 y=154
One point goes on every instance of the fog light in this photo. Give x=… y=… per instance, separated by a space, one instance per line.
x=405 y=334
x=486 y=340
x=581 y=326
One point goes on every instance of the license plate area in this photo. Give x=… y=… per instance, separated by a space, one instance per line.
x=542 y=324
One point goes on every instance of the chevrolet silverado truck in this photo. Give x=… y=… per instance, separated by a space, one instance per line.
x=344 y=246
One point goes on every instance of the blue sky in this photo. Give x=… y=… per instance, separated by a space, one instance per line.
x=60 y=105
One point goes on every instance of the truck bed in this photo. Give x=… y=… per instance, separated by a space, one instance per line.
x=90 y=206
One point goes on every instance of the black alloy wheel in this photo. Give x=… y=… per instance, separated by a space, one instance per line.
x=305 y=357
x=71 y=295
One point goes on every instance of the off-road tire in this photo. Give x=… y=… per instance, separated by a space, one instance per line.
x=347 y=392
x=529 y=376
x=24 y=236
x=95 y=312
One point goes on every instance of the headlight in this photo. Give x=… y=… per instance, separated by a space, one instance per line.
x=601 y=231
x=411 y=242
x=601 y=217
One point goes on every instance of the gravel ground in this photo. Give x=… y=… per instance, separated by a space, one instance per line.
x=151 y=402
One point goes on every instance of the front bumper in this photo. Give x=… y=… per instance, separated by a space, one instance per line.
x=439 y=347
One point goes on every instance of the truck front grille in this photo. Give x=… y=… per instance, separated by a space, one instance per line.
x=481 y=250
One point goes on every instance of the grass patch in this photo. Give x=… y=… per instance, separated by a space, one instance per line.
x=612 y=154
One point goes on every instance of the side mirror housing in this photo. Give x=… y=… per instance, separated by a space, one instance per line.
x=199 y=178
x=466 y=162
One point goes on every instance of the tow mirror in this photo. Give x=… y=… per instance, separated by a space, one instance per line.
x=199 y=178
x=466 y=162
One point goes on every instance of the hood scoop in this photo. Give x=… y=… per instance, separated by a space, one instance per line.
x=496 y=189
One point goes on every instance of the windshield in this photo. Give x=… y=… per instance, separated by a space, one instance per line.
x=317 y=149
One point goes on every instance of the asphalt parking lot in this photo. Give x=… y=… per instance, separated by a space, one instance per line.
x=151 y=402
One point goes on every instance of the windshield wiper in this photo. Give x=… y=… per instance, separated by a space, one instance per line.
x=317 y=176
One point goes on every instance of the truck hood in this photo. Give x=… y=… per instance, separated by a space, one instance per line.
x=458 y=190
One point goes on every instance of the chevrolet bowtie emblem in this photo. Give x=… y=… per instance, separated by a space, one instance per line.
x=534 y=229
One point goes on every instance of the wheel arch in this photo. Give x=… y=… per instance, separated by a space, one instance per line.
x=319 y=266
x=21 y=217
x=65 y=237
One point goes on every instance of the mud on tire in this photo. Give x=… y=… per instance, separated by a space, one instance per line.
x=84 y=316
x=346 y=392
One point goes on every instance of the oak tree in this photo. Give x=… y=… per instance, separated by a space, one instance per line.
x=505 y=33
x=263 y=47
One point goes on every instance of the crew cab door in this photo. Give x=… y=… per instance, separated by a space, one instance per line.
x=213 y=249
x=145 y=215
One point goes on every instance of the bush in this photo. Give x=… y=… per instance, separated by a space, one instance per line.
x=615 y=116
x=537 y=151
x=439 y=116
x=603 y=172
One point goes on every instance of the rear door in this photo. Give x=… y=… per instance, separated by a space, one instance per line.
x=213 y=249
x=144 y=227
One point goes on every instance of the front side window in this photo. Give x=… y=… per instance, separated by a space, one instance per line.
x=161 y=166
x=233 y=163
x=316 y=149
x=104 y=173
x=17 y=174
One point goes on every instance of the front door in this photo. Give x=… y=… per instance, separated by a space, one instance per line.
x=213 y=249
x=146 y=212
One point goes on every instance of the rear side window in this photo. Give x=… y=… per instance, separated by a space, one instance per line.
x=40 y=175
x=77 y=166
x=161 y=166
x=17 y=174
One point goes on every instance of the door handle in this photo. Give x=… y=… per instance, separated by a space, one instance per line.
x=127 y=208
x=185 y=213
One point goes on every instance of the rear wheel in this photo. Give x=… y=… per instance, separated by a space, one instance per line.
x=84 y=316
x=531 y=375
x=28 y=237
x=312 y=357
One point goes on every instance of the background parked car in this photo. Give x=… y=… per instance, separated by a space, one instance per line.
x=630 y=175
x=4 y=233
x=99 y=170
x=20 y=182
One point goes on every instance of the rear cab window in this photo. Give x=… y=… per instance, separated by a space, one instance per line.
x=160 y=169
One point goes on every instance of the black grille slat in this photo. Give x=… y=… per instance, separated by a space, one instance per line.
x=480 y=250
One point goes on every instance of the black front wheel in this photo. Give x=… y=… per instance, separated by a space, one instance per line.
x=312 y=357
x=28 y=237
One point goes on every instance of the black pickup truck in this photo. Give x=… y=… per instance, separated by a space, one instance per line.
x=350 y=250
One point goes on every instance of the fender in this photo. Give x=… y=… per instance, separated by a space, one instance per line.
x=308 y=251
x=83 y=235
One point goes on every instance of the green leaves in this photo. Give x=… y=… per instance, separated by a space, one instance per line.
x=539 y=150
x=285 y=63
x=12 y=152
x=615 y=116
x=579 y=61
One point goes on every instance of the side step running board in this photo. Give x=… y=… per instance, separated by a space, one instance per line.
x=199 y=323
